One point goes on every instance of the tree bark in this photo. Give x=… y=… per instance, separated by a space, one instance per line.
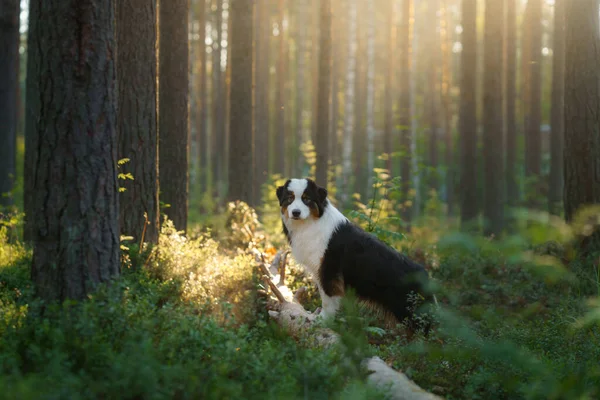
x=76 y=213
x=493 y=209
x=173 y=109
x=468 y=113
x=322 y=137
x=512 y=190
x=446 y=41
x=582 y=109
x=433 y=94
x=533 y=146
x=137 y=138
x=202 y=132
x=300 y=83
x=218 y=135
x=9 y=86
x=358 y=160
x=241 y=152
x=349 y=121
x=404 y=105
x=280 y=128
x=388 y=102
x=557 y=122
x=370 y=112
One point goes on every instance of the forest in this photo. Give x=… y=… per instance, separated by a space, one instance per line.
x=142 y=143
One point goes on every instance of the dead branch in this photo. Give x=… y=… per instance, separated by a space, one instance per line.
x=292 y=316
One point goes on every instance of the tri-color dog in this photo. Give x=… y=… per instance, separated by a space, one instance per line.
x=340 y=255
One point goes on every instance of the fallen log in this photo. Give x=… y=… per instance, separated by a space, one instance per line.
x=287 y=310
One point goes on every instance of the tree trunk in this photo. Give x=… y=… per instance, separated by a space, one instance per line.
x=349 y=121
x=557 y=122
x=241 y=152
x=76 y=212
x=9 y=84
x=370 y=112
x=533 y=144
x=446 y=41
x=280 y=128
x=492 y=120
x=358 y=160
x=301 y=137
x=433 y=94
x=217 y=136
x=468 y=113
x=201 y=131
x=512 y=189
x=337 y=63
x=405 y=104
x=173 y=110
x=138 y=140
x=388 y=102
x=322 y=137
x=582 y=109
x=32 y=112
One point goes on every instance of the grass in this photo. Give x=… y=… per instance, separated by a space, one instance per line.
x=518 y=318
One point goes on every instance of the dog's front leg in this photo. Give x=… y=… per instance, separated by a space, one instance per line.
x=330 y=304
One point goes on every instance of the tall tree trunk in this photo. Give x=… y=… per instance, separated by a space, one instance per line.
x=404 y=105
x=555 y=189
x=349 y=121
x=388 y=102
x=137 y=139
x=217 y=135
x=370 y=113
x=582 y=110
x=280 y=128
x=173 y=109
x=201 y=130
x=301 y=137
x=533 y=146
x=322 y=137
x=76 y=212
x=32 y=110
x=492 y=120
x=9 y=84
x=512 y=189
x=261 y=95
x=358 y=160
x=241 y=152
x=336 y=68
x=445 y=45
x=468 y=113
x=433 y=94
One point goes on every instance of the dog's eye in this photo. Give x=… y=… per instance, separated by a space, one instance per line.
x=305 y=199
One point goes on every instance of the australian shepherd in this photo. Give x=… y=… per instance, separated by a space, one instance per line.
x=339 y=255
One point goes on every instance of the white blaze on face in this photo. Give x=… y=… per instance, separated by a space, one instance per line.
x=298 y=186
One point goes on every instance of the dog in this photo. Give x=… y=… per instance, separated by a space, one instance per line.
x=339 y=255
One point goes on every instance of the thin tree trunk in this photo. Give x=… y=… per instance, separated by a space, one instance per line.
x=370 y=93
x=261 y=95
x=405 y=105
x=433 y=95
x=280 y=128
x=322 y=137
x=492 y=120
x=388 y=102
x=468 y=113
x=555 y=189
x=201 y=131
x=336 y=67
x=173 y=110
x=217 y=101
x=76 y=211
x=533 y=146
x=138 y=135
x=349 y=121
x=445 y=44
x=241 y=152
x=512 y=189
x=300 y=83
x=9 y=83
x=582 y=110
x=358 y=160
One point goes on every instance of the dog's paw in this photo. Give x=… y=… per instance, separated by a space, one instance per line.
x=318 y=311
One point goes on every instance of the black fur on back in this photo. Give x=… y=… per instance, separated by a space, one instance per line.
x=375 y=271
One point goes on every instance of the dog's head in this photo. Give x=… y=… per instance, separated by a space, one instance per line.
x=301 y=199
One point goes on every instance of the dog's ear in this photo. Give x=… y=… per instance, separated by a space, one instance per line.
x=321 y=194
x=279 y=193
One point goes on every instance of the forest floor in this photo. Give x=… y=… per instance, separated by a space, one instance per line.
x=188 y=319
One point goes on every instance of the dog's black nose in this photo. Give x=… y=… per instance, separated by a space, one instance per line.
x=296 y=213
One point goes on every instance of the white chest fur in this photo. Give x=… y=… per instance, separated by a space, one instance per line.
x=310 y=237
